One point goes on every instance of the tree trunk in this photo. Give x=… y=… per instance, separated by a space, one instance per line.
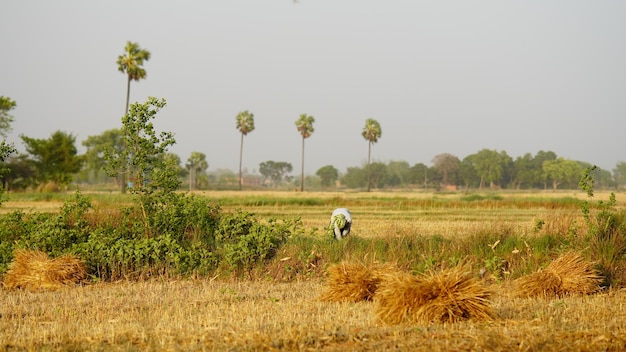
x=302 y=173
x=125 y=171
x=240 y=159
x=369 y=154
x=127 y=95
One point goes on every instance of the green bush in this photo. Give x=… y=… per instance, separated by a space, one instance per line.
x=245 y=241
x=189 y=236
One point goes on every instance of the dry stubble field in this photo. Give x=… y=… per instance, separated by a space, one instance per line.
x=225 y=314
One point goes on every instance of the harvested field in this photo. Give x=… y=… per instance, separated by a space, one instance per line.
x=264 y=313
x=204 y=315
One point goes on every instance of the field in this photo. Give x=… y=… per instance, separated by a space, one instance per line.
x=267 y=312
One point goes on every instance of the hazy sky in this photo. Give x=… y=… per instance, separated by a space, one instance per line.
x=440 y=76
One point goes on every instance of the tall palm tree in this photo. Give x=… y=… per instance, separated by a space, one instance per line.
x=245 y=125
x=371 y=132
x=305 y=127
x=131 y=63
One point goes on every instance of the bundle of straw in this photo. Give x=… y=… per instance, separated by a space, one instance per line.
x=569 y=274
x=448 y=296
x=35 y=270
x=354 y=282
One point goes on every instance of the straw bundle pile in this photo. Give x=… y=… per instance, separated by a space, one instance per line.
x=34 y=270
x=569 y=274
x=354 y=282
x=448 y=296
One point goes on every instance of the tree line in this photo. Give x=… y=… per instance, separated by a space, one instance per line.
x=55 y=160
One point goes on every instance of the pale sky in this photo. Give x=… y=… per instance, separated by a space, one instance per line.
x=439 y=76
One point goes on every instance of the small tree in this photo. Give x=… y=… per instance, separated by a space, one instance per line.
x=6 y=149
x=355 y=177
x=305 y=127
x=446 y=164
x=371 y=132
x=56 y=158
x=196 y=163
x=6 y=105
x=154 y=176
x=561 y=170
x=245 y=125
x=619 y=174
x=328 y=175
x=96 y=145
x=275 y=171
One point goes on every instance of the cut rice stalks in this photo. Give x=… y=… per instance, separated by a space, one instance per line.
x=35 y=270
x=569 y=274
x=354 y=282
x=448 y=296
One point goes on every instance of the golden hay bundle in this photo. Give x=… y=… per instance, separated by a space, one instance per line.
x=569 y=274
x=448 y=296
x=33 y=270
x=354 y=282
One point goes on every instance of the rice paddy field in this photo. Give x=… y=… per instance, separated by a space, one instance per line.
x=310 y=313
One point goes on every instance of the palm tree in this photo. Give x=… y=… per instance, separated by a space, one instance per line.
x=305 y=127
x=245 y=125
x=130 y=63
x=371 y=132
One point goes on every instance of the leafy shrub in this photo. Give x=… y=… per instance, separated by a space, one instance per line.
x=187 y=218
x=110 y=256
x=607 y=231
x=245 y=241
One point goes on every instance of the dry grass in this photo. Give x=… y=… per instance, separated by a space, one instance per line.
x=35 y=270
x=569 y=274
x=354 y=282
x=204 y=315
x=449 y=296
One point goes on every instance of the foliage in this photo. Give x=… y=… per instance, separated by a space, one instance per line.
x=607 y=229
x=446 y=164
x=53 y=233
x=21 y=173
x=5 y=151
x=189 y=237
x=418 y=175
x=196 y=163
x=560 y=171
x=245 y=125
x=55 y=158
x=97 y=145
x=246 y=241
x=355 y=177
x=131 y=63
x=192 y=236
x=397 y=173
x=489 y=166
x=328 y=175
x=275 y=170
x=6 y=105
x=154 y=177
x=619 y=173
x=304 y=125
x=371 y=132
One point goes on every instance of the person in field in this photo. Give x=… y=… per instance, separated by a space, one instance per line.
x=340 y=223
